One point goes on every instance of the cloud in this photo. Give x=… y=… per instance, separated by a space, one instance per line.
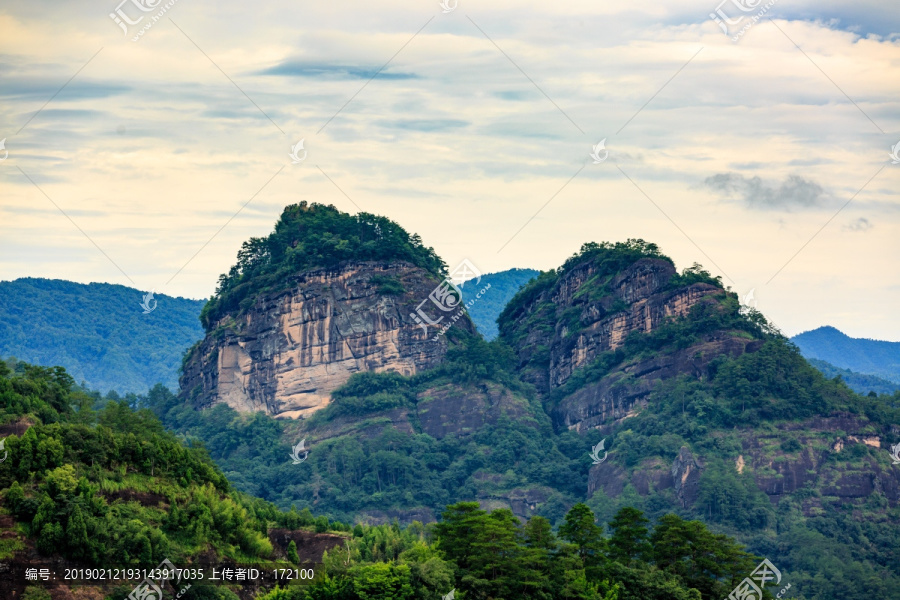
x=859 y=225
x=292 y=68
x=754 y=193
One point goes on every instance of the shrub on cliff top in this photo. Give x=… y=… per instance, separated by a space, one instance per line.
x=310 y=236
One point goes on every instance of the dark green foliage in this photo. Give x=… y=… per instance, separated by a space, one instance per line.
x=309 y=236
x=628 y=540
x=504 y=285
x=497 y=557
x=388 y=285
x=609 y=258
x=580 y=529
x=97 y=332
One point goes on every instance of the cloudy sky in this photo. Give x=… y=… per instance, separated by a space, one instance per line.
x=763 y=153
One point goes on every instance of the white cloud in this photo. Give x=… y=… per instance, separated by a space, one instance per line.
x=452 y=140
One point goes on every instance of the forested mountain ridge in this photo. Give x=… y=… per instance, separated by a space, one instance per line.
x=617 y=383
x=858 y=382
x=108 y=487
x=98 y=331
x=864 y=356
x=504 y=285
x=705 y=408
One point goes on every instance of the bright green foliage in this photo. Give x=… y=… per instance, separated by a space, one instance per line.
x=68 y=480
x=292 y=553
x=309 y=236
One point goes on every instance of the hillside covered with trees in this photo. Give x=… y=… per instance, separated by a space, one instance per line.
x=108 y=487
x=97 y=331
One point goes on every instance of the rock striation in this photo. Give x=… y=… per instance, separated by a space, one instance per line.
x=585 y=314
x=287 y=352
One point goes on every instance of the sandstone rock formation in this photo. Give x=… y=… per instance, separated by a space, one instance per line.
x=291 y=348
x=639 y=301
x=580 y=325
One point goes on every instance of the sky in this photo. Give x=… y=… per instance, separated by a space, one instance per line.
x=753 y=138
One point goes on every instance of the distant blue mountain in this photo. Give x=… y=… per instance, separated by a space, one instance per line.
x=97 y=331
x=504 y=286
x=864 y=356
x=859 y=383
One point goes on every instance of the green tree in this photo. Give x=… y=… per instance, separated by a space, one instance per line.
x=292 y=553
x=581 y=529
x=629 y=536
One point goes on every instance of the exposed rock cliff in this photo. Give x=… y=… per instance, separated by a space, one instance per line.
x=581 y=323
x=589 y=311
x=288 y=351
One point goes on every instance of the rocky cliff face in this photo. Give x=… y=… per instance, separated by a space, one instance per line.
x=290 y=349
x=583 y=325
x=584 y=314
x=816 y=465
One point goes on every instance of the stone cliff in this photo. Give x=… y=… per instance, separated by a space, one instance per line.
x=587 y=313
x=580 y=325
x=288 y=351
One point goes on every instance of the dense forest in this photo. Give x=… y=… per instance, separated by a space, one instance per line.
x=859 y=383
x=98 y=331
x=788 y=464
x=97 y=482
x=504 y=285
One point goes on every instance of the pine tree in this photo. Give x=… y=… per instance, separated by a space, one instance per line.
x=628 y=541
x=292 y=553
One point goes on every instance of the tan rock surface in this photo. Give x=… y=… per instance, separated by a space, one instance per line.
x=288 y=352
